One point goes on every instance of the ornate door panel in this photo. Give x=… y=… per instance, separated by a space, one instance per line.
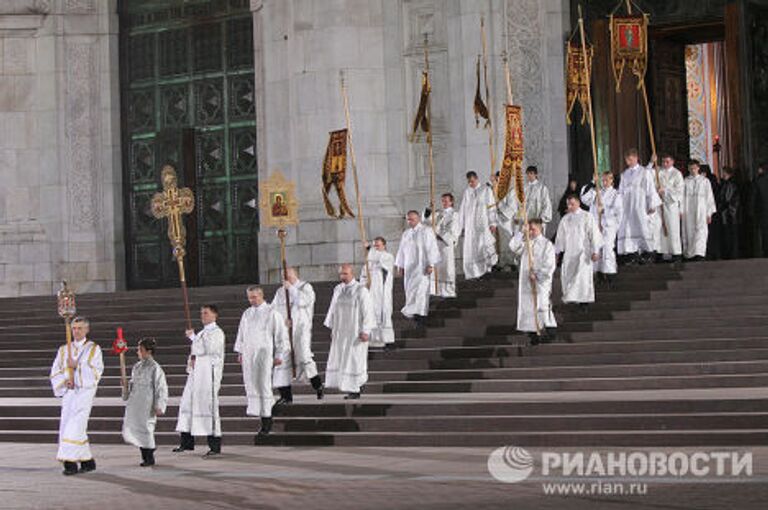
x=188 y=99
x=668 y=93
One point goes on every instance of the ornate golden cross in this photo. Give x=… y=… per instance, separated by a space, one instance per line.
x=172 y=203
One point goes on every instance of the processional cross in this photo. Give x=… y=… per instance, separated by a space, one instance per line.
x=172 y=203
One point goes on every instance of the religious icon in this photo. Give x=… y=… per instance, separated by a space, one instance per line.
x=629 y=46
x=279 y=206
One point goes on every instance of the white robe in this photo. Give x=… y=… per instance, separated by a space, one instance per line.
x=262 y=337
x=350 y=313
x=199 y=406
x=538 y=203
x=698 y=205
x=544 y=265
x=76 y=402
x=302 y=297
x=477 y=214
x=382 y=267
x=639 y=195
x=447 y=227
x=509 y=221
x=674 y=188
x=418 y=250
x=613 y=212
x=578 y=238
x=147 y=392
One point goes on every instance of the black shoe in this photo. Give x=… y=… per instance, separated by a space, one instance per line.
x=87 y=466
x=266 y=426
x=550 y=335
x=282 y=401
x=389 y=347
x=583 y=307
x=352 y=396
x=320 y=392
x=211 y=453
x=70 y=468
x=147 y=457
x=179 y=449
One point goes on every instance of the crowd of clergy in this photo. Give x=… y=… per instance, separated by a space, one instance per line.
x=651 y=213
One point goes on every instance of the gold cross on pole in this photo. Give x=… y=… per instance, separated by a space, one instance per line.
x=172 y=203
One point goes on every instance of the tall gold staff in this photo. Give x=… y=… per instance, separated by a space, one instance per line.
x=591 y=120
x=172 y=203
x=353 y=163
x=281 y=234
x=67 y=309
x=430 y=152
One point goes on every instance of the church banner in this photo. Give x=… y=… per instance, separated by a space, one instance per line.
x=334 y=173
x=512 y=166
x=479 y=106
x=422 y=120
x=629 y=46
x=577 y=80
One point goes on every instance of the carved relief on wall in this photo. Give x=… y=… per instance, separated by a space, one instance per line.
x=82 y=129
x=79 y=6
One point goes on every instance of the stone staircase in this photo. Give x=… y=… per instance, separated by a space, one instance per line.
x=668 y=357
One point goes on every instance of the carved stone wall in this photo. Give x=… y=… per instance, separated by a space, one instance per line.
x=60 y=209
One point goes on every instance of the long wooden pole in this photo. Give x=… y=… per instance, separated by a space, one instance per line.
x=488 y=99
x=353 y=164
x=184 y=290
x=591 y=120
x=430 y=153
x=282 y=234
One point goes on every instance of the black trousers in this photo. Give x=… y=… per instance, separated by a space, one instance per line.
x=729 y=242
x=188 y=441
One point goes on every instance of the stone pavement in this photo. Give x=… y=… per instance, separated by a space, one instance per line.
x=338 y=478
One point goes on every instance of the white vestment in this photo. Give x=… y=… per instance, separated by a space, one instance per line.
x=509 y=221
x=477 y=214
x=76 y=402
x=538 y=203
x=349 y=315
x=639 y=195
x=147 y=392
x=698 y=206
x=381 y=264
x=199 y=406
x=418 y=250
x=674 y=188
x=302 y=297
x=544 y=264
x=578 y=238
x=613 y=212
x=447 y=227
x=262 y=337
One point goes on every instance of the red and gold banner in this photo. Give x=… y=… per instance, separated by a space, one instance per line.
x=629 y=45
x=512 y=166
x=577 y=80
x=335 y=172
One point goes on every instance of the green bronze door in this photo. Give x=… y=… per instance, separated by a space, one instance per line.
x=187 y=83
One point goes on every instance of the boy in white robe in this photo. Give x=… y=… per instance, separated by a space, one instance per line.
x=199 y=406
x=350 y=318
x=447 y=232
x=698 y=208
x=416 y=259
x=261 y=346
x=302 y=297
x=477 y=220
x=538 y=275
x=538 y=202
x=671 y=191
x=147 y=398
x=638 y=192
x=381 y=265
x=74 y=376
x=610 y=218
x=578 y=242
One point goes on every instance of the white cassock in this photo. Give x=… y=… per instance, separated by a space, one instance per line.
x=674 y=188
x=544 y=264
x=381 y=264
x=147 y=392
x=302 y=297
x=639 y=195
x=477 y=214
x=350 y=313
x=447 y=227
x=76 y=402
x=507 y=211
x=613 y=212
x=698 y=205
x=418 y=250
x=199 y=406
x=654 y=220
x=262 y=337
x=538 y=203
x=578 y=238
